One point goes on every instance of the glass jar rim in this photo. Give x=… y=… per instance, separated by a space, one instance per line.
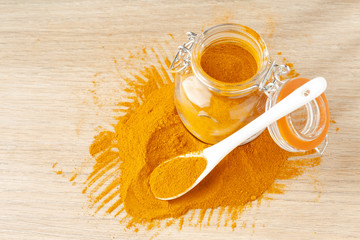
x=229 y=88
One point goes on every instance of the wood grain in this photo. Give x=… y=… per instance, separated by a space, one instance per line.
x=50 y=51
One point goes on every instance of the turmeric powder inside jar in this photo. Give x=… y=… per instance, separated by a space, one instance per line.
x=230 y=68
x=176 y=176
x=228 y=62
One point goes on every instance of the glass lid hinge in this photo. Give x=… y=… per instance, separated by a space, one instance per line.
x=183 y=56
x=276 y=71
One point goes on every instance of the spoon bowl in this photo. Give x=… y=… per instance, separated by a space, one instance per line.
x=214 y=154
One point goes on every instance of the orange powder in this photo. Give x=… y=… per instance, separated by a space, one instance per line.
x=228 y=62
x=154 y=133
x=150 y=133
x=176 y=176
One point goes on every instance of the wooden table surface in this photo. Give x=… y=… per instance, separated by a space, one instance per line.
x=49 y=54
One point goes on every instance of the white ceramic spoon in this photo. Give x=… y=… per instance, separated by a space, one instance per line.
x=217 y=152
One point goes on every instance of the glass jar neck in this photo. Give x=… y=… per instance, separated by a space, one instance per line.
x=231 y=33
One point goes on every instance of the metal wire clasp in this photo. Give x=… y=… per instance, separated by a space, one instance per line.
x=275 y=70
x=183 y=57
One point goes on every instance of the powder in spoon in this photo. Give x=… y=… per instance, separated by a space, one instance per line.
x=176 y=176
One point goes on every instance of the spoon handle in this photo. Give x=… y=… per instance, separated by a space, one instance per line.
x=302 y=95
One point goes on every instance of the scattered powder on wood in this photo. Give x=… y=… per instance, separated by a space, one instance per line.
x=150 y=133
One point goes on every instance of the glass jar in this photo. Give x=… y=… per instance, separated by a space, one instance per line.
x=212 y=110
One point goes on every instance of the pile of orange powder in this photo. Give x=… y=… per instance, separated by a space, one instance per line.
x=150 y=133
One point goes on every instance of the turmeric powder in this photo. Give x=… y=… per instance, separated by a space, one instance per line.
x=176 y=176
x=150 y=133
x=228 y=62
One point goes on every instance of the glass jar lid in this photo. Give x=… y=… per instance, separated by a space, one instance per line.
x=304 y=129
